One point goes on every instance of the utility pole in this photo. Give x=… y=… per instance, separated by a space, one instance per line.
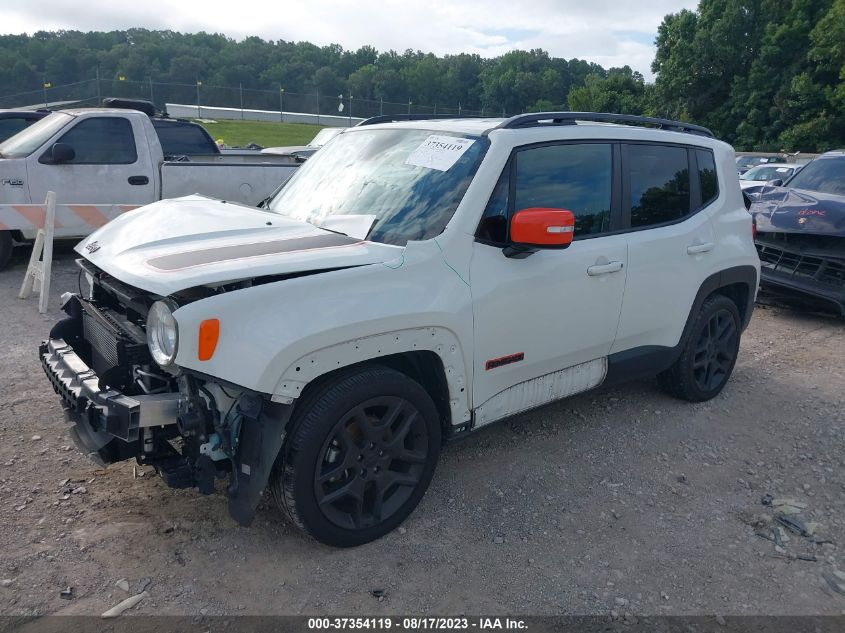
x=199 y=107
x=45 y=84
x=241 y=90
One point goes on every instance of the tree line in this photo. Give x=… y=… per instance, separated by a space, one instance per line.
x=762 y=74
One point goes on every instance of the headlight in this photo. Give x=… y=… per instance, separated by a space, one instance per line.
x=162 y=333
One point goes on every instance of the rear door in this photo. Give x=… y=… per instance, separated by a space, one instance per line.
x=670 y=239
x=112 y=165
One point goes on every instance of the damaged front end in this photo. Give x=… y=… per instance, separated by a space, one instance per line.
x=192 y=429
x=801 y=244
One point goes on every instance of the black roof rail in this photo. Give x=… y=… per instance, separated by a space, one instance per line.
x=394 y=118
x=536 y=119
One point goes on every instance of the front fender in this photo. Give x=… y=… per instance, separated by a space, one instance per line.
x=270 y=330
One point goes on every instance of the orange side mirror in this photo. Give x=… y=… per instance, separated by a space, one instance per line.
x=542 y=227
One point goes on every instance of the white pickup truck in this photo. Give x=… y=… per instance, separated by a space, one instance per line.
x=112 y=156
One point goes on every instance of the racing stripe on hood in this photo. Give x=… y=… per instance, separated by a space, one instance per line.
x=189 y=259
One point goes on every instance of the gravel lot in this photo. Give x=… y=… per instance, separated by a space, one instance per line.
x=621 y=500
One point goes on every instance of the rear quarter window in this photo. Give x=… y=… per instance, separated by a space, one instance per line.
x=183 y=139
x=707 y=176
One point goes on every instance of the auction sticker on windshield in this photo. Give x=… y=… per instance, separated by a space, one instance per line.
x=439 y=152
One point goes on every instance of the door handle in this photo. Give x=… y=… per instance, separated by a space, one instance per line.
x=704 y=247
x=604 y=269
x=138 y=180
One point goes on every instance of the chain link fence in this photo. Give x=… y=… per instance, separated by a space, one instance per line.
x=92 y=91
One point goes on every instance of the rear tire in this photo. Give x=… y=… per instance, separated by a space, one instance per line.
x=361 y=453
x=709 y=353
x=7 y=246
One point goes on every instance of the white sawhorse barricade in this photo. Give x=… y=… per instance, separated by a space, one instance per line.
x=39 y=269
x=71 y=220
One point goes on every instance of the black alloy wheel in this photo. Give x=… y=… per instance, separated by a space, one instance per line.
x=361 y=451
x=371 y=463
x=715 y=351
x=709 y=353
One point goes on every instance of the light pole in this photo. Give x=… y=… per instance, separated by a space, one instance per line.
x=282 y=105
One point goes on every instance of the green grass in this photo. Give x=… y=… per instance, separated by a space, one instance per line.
x=240 y=133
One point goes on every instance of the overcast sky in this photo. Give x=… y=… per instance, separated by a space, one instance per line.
x=608 y=32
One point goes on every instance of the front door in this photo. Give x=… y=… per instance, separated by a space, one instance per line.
x=554 y=309
x=109 y=167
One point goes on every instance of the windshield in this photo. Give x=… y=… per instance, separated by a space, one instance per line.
x=33 y=137
x=823 y=174
x=324 y=136
x=766 y=172
x=380 y=174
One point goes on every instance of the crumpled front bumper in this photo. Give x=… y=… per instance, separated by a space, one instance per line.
x=106 y=423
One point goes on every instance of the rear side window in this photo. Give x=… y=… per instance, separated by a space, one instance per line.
x=707 y=176
x=183 y=139
x=659 y=184
x=102 y=141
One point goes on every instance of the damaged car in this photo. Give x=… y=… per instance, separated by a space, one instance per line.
x=412 y=283
x=801 y=234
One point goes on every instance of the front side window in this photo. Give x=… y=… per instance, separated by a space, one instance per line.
x=577 y=177
x=574 y=177
x=388 y=177
x=102 y=141
x=659 y=184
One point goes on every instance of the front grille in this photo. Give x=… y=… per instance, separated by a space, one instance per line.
x=818 y=267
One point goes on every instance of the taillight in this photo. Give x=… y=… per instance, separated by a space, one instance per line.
x=753 y=228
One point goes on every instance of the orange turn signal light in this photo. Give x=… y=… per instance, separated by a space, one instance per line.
x=209 y=333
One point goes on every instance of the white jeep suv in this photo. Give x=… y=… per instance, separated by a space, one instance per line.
x=413 y=282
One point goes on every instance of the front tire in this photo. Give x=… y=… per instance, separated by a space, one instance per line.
x=709 y=353
x=361 y=454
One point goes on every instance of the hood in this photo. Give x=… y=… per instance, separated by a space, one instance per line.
x=781 y=210
x=182 y=243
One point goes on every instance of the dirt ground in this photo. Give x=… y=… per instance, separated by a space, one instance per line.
x=621 y=500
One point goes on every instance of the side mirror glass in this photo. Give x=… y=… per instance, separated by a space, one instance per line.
x=61 y=153
x=777 y=182
x=539 y=227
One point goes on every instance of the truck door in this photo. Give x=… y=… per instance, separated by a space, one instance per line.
x=111 y=164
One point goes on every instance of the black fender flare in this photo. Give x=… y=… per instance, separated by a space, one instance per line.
x=653 y=359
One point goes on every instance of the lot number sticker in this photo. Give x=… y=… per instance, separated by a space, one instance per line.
x=439 y=152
